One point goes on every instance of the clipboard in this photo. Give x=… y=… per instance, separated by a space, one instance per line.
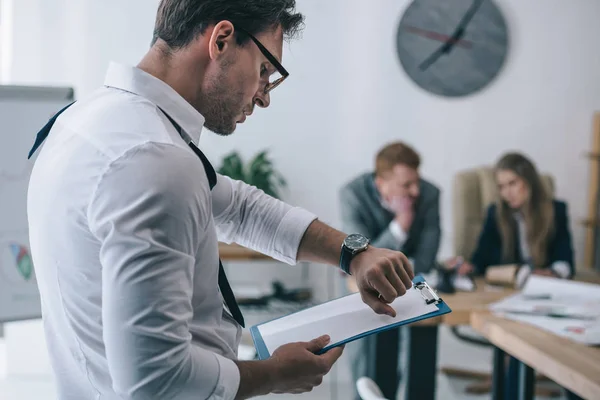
x=346 y=319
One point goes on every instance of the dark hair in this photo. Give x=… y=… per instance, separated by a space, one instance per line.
x=178 y=22
x=538 y=211
x=394 y=154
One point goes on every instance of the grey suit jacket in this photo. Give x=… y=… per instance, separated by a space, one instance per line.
x=362 y=212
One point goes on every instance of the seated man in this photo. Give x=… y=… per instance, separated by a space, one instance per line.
x=396 y=209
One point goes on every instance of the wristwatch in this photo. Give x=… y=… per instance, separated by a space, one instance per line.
x=352 y=245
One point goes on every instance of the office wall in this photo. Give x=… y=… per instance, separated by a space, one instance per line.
x=347 y=94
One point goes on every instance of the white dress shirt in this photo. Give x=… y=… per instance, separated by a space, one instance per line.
x=124 y=234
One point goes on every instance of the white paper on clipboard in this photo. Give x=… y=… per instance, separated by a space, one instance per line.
x=341 y=319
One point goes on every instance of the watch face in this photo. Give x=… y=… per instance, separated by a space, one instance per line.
x=356 y=241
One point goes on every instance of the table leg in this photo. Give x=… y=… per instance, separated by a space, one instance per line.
x=422 y=363
x=498 y=373
x=526 y=382
x=387 y=349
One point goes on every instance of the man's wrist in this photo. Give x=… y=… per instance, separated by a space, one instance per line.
x=257 y=378
x=353 y=267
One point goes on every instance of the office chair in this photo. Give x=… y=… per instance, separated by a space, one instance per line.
x=473 y=191
x=368 y=389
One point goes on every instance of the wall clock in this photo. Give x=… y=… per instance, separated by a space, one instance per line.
x=452 y=47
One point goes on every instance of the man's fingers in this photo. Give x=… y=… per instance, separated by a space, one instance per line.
x=405 y=274
x=317 y=344
x=396 y=279
x=406 y=266
x=381 y=284
x=373 y=301
x=331 y=356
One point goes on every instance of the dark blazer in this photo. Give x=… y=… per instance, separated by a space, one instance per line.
x=489 y=247
x=362 y=212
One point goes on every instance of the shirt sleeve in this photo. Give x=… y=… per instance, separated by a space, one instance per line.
x=149 y=211
x=399 y=234
x=247 y=216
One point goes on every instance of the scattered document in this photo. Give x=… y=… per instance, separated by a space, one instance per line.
x=581 y=331
x=565 y=308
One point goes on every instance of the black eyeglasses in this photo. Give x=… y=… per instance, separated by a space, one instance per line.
x=271 y=58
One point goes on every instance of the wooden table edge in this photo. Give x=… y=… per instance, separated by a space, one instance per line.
x=482 y=322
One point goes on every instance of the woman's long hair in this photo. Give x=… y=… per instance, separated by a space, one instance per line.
x=538 y=212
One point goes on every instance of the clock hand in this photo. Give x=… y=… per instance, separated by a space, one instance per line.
x=457 y=35
x=433 y=57
x=460 y=29
x=438 y=36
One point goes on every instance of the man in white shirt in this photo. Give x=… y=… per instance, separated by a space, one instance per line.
x=125 y=214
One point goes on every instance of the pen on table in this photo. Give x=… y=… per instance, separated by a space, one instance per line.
x=553 y=315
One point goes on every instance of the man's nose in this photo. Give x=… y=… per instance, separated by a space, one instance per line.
x=262 y=99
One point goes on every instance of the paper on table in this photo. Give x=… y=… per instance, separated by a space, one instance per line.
x=565 y=308
x=341 y=319
x=552 y=295
x=561 y=288
x=585 y=332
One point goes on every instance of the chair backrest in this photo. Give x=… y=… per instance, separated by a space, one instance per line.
x=473 y=191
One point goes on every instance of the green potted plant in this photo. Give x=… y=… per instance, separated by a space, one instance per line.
x=259 y=172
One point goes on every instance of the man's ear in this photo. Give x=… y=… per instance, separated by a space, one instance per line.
x=221 y=40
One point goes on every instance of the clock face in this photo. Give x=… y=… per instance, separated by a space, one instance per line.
x=452 y=47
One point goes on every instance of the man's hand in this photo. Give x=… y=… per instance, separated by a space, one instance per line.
x=405 y=213
x=543 y=272
x=461 y=266
x=381 y=276
x=466 y=268
x=297 y=369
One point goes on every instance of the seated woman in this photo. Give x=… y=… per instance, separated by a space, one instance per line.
x=526 y=226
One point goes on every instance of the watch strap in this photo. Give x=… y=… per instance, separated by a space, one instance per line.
x=345 y=259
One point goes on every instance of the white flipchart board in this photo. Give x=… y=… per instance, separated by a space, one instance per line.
x=24 y=110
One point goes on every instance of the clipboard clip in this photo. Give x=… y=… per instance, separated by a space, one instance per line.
x=428 y=293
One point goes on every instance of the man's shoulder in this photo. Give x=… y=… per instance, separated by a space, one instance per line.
x=115 y=122
x=358 y=185
x=429 y=191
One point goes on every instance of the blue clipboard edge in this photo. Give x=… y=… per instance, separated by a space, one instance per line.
x=263 y=353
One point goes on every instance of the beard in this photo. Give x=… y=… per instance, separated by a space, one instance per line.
x=223 y=104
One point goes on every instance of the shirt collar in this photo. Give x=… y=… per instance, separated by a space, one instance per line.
x=134 y=80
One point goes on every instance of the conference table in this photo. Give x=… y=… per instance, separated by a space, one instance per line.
x=572 y=365
x=421 y=368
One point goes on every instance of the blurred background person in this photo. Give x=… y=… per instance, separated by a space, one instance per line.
x=398 y=210
x=526 y=226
